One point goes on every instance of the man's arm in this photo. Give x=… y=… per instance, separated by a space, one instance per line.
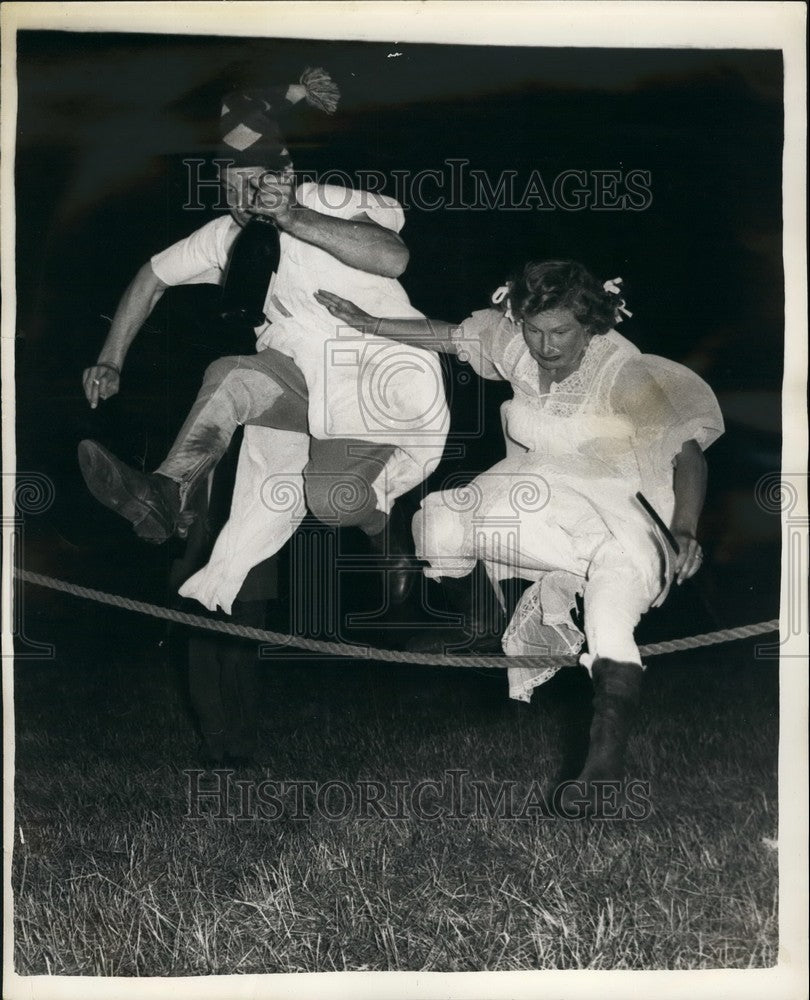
x=102 y=380
x=358 y=242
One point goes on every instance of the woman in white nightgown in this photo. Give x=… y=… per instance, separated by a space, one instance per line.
x=593 y=422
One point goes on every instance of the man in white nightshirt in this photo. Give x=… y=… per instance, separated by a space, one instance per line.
x=335 y=421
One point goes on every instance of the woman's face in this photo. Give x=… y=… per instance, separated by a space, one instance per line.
x=556 y=340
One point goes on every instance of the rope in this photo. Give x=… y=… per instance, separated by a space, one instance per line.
x=369 y=652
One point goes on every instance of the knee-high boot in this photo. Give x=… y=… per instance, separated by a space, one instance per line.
x=617 y=689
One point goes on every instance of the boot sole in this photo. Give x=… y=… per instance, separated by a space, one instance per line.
x=102 y=475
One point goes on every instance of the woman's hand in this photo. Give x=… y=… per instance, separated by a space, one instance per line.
x=346 y=311
x=100 y=381
x=689 y=559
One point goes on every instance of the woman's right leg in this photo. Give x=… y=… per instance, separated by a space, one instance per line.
x=615 y=597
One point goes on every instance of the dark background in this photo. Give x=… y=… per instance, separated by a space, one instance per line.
x=105 y=121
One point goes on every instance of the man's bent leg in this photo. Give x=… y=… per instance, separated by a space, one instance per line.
x=339 y=482
x=266 y=389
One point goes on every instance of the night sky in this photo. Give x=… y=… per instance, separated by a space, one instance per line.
x=106 y=120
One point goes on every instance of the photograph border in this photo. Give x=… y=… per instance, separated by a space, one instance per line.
x=580 y=24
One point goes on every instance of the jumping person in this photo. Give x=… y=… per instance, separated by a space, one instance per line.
x=337 y=423
x=593 y=422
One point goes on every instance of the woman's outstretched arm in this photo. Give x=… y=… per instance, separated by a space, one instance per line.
x=435 y=335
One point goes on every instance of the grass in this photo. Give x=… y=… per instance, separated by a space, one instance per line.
x=111 y=877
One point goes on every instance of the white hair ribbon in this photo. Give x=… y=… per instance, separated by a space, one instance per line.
x=614 y=287
x=498 y=296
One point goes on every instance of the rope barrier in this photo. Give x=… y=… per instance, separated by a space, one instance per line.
x=370 y=652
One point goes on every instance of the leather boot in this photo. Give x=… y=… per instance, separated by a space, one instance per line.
x=483 y=624
x=395 y=544
x=617 y=688
x=150 y=502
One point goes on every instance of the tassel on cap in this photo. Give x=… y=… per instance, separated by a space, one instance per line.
x=321 y=90
x=250 y=127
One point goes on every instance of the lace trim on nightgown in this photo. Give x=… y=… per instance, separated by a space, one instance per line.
x=590 y=383
x=542 y=625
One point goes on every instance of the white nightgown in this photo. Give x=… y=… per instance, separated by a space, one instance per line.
x=561 y=508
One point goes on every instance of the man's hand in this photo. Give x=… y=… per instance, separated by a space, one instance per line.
x=274 y=198
x=100 y=381
x=346 y=311
x=689 y=559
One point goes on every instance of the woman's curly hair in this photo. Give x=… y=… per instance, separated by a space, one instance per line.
x=561 y=284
